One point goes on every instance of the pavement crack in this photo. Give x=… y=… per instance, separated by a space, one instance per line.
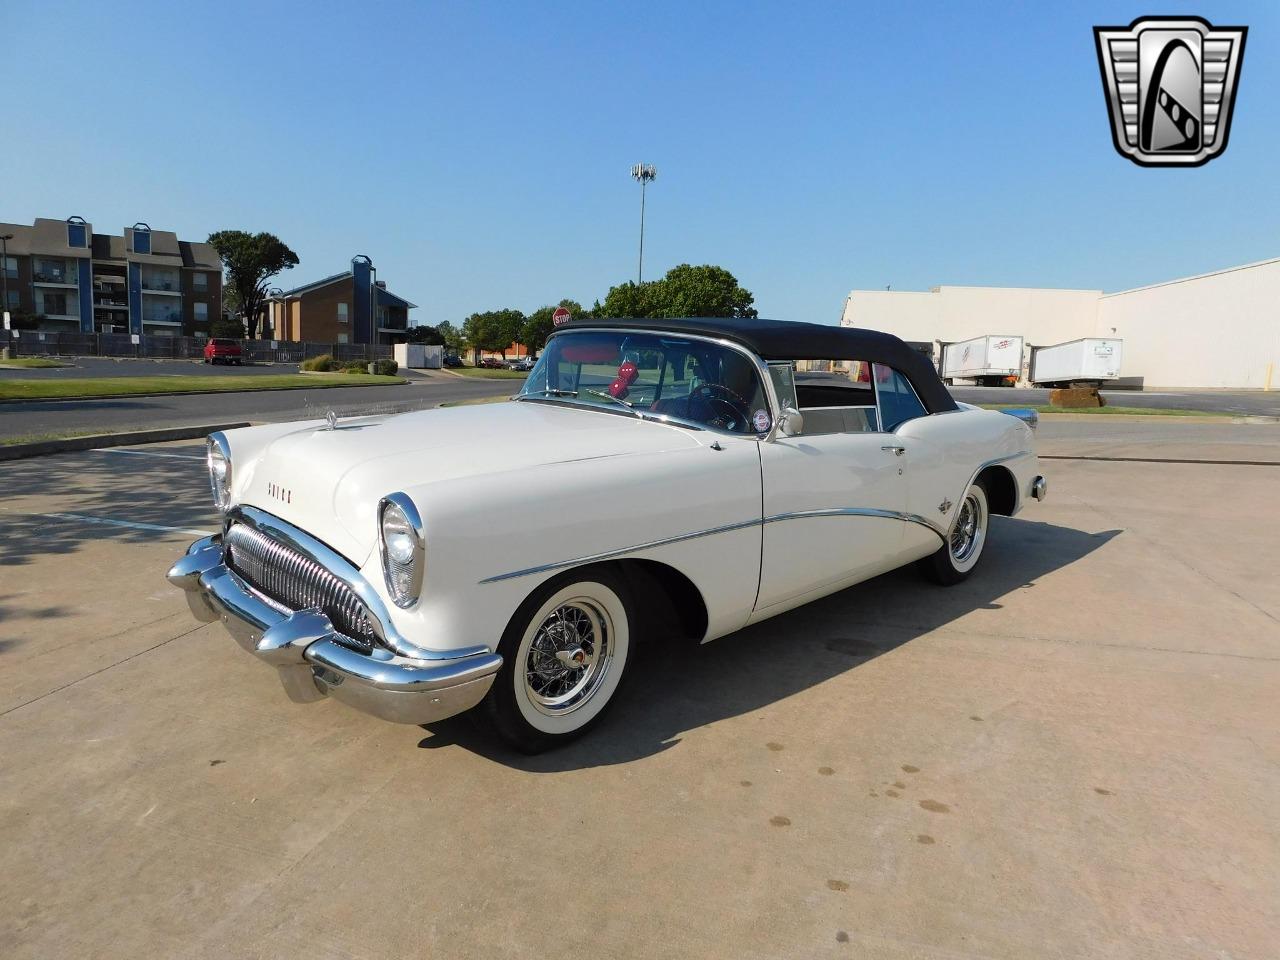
x=72 y=683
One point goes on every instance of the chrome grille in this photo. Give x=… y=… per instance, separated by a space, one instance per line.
x=297 y=582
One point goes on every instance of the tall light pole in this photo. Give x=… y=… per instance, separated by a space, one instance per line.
x=643 y=173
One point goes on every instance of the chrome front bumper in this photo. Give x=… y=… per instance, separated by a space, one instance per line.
x=313 y=665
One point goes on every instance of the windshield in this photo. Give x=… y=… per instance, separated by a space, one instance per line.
x=690 y=380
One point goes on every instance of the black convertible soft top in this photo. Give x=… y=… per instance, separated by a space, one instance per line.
x=788 y=340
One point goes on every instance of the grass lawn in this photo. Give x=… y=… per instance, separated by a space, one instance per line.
x=1123 y=411
x=117 y=386
x=28 y=363
x=488 y=373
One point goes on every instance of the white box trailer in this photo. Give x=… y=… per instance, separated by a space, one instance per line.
x=989 y=359
x=1091 y=361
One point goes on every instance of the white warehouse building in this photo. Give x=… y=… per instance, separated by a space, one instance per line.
x=1219 y=329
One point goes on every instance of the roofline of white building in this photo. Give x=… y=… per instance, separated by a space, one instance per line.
x=1198 y=276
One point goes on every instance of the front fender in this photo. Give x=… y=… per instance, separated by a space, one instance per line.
x=492 y=540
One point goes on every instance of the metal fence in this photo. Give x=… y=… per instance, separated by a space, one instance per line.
x=33 y=343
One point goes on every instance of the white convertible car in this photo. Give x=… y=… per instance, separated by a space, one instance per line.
x=651 y=477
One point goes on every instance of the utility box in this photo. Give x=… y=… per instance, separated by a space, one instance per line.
x=991 y=360
x=1090 y=362
x=418 y=356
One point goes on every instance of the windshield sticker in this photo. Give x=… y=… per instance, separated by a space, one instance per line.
x=761 y=420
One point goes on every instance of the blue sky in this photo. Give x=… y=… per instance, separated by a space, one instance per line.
x=480 y=153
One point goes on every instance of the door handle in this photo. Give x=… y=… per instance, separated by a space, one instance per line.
x=897 y=451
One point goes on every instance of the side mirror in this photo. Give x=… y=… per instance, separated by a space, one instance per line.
x=791 y=422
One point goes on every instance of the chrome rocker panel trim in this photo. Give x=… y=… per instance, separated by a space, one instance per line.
x=860 y=512
x=313 y=665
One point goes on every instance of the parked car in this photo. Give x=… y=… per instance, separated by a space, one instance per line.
x=524 y=364
x=657 y=477
x=493 y=363
x=218 y=350
x=452 y=360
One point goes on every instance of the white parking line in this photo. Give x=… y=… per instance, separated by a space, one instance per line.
x=133 y=524
x=147 y=453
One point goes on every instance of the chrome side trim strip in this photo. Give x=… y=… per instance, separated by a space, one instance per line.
x=613 y=554
x=798 y=515
x=860 y=512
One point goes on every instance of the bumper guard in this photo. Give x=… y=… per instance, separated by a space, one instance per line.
x=313 y=665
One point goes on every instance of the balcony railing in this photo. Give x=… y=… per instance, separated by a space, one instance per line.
x=109 y=301
x=161 y=284
x=49 y=276
x=158 y=317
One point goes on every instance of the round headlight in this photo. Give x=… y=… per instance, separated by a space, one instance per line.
x=219 y=463
x=400 y=542
x=397 y=534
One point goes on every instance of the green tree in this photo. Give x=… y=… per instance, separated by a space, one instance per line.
x=21 y=320
x=685 y=291
x=250 y=260
x=424 y=334
x=630 y=300
x=705 y=291
x=227 y=326
x=453 y=338
x=493 y=330
x=538 y=325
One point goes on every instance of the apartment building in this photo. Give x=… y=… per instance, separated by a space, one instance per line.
x=142 y=281
x=348 y=307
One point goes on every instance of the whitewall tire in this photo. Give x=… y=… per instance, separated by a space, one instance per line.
x=564 y=655
x=959 y=554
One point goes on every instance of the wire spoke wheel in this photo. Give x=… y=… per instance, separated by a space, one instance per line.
x=965 y=534
x=569 y=657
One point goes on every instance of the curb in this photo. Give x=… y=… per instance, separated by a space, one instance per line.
x=42 y=448
x=398 y=382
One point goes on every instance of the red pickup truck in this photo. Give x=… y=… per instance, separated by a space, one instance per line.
x=223 y=351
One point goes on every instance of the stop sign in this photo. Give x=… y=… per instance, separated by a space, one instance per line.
x=561 y=316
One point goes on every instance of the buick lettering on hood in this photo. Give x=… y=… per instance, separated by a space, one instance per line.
x=652 y=478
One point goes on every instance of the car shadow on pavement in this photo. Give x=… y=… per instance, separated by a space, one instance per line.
x=679 y=686
x=123 y=492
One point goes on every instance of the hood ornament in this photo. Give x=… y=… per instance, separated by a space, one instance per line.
x=331 y=420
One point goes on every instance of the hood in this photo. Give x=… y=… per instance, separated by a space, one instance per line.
x=329 y=482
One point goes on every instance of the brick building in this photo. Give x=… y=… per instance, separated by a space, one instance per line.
x=349 y=307
x=142 y=281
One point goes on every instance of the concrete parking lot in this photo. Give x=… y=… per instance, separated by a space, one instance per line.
x=1073 y=754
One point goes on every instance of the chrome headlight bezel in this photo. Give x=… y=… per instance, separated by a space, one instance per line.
x=403 y=577
x=218 y=451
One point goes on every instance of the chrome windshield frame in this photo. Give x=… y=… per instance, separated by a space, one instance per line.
x=761 y=368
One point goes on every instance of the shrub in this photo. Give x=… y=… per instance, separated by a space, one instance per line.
x=326 y=364
x=322 y=363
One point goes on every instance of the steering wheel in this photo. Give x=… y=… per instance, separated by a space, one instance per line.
x=718 y=406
